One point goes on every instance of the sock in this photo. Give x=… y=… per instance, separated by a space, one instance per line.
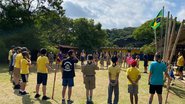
x=21 y=90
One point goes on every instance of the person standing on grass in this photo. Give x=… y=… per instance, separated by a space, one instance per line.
x=42 y=73
x=108 y=58
x=25 y=64
x=82 y=57
x=68 y=74
x=120 y=59
x=155 y=79
x=137 y=60
x=114 y=71
x=17 y=65
x=51 y=58
x=180 y=65
x=145 y=59
x=133 y=76
x=89 y=78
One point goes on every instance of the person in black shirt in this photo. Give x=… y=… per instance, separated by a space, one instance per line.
x=68 y=74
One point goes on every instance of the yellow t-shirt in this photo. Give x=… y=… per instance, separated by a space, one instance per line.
x=180 y=61
x=133 y=73
x=18 y=60
x=41 y=64
x=114 y=71
x=24 y=66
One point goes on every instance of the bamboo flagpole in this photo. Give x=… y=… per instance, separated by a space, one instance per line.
x=161 y=33
x=165 y=38
x=168 y=38
x=176 y=41
x=53 y=92
x=171 y=37
x=171 y=56
x=155 y=35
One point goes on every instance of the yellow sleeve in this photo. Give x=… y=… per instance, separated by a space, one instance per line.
x=47 y=60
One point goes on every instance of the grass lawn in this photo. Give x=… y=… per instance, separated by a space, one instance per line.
x=10 y=96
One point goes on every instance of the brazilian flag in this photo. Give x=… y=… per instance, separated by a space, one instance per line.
x=157 y=21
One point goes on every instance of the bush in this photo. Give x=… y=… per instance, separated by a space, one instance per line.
x=3 y=52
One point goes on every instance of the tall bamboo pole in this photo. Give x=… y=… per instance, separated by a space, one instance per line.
x=171 y=37
x=165 y=38
x=155 y=35
x=161 y=32
x=168 y=38
x=176 y=41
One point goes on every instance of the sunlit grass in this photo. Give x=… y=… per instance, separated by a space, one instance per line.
x=10 y=96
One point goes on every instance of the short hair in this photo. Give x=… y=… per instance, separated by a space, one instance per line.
x=114 y=59
x=24 y=53
x=43 y=51
x=89 y=57
x=70 y=52
x=24 y=49
x=157 y=55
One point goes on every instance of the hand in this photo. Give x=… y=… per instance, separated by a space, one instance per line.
x=134 y=83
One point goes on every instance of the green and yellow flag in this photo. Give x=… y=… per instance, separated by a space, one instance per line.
x=157 y=21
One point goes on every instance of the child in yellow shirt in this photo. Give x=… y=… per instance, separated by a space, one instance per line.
x=25 y=64
x=114 y=71
x=133 y=76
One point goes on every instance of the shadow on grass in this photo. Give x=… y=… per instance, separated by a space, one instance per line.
x=26 y=99
x=179 y=92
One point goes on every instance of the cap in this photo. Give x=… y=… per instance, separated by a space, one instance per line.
x=133 y=63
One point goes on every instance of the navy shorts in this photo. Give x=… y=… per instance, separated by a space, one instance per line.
x=42 y=78
x=24 y=78
x=68 y=82
x=156 y=88
x=180 y=68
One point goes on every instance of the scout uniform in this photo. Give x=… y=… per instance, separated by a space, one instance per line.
x=89 y=75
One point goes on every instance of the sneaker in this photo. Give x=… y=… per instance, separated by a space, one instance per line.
x=69 y=101
x=63 y=101
x=20 y=92
x=24 y=93
x=37 y=96
x=45 y=98
x=91 y=102
x=88 y=102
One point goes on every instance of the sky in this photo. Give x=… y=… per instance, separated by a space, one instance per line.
x=122 y=13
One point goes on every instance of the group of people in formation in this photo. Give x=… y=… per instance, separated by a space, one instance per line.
x=105 y=58
x=20 y=63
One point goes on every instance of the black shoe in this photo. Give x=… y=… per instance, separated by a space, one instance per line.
x=20 y=92
x=37 y=96
x=24 y=93
x=17 y=87
x=63 y=101
x=69 y=101
x=45 y=98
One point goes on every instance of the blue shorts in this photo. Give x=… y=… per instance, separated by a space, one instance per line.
x=68 y=82
x=42 y=78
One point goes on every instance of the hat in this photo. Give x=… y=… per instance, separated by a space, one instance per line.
x=133 y=63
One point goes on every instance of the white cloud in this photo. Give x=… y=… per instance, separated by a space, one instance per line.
x=181 y=14
x=116 y=13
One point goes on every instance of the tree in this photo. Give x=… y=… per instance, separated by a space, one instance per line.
x=89 y=36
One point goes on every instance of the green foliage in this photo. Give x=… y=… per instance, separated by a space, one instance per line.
x=4 y=51
x=148 y=48
x=144 y=32
x=89 y=36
